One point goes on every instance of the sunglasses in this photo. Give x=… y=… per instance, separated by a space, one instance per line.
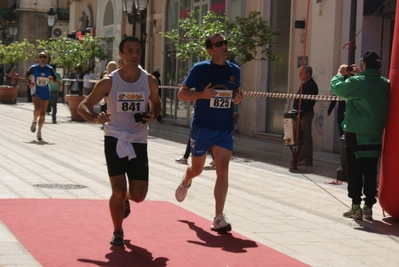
x=42 y=56
x=220 y=43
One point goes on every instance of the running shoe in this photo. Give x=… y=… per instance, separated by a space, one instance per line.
x=367 y=213
x=127 y=209
x=181 y=191
x=33 y=126
x=220 y=224
x=182 y=160
x=117 y=238
x=39 y=136
x=356 y=214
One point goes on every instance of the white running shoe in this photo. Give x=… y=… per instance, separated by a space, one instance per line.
x=182 y=160
x=220 y=224
x=181 y=191
x=39 y=136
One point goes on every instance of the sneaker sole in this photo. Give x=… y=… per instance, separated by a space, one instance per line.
x=33 y=128
x=177 y=196
x=227 y=228
x=354 y=217
x=117 y=243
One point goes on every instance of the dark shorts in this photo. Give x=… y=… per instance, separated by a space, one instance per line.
x=136 y=169
x=201 y=140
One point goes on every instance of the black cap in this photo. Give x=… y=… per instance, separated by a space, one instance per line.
x=370 y=57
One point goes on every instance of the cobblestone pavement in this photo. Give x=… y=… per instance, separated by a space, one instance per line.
x=298 y=214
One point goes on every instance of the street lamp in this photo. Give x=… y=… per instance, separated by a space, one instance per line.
x=136 y=11
x=141 y=4
x=51 y=17
x=12 y=30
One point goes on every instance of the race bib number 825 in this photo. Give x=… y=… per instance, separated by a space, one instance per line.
x=222 y=99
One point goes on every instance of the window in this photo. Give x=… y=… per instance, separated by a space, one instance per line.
x=109 y=14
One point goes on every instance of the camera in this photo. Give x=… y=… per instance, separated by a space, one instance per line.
x=138 y=117
x=349 y=69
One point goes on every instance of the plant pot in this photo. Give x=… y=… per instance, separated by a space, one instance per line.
x=8 y=94
x=73 y=103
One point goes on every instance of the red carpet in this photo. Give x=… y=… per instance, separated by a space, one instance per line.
x=77 y=233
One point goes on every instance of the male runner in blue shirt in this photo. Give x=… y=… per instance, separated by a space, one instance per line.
x=216 y=84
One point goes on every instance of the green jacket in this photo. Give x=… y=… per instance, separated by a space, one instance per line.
x=367 y=100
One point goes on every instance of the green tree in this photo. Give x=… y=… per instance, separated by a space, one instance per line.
x=245 y=35
x=16 y=52
x=71 y=53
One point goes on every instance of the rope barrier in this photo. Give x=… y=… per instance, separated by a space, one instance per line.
x=292 y=96
x=250 y=93
x=246 y=93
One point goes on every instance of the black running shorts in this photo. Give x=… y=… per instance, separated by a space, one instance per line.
x=136 y=169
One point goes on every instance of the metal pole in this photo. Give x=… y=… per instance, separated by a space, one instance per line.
x=342 y=170
x=352 y=33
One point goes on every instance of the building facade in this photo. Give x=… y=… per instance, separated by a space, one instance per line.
x=318 y=33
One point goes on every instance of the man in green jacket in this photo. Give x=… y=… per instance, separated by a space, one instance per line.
x=367 y=96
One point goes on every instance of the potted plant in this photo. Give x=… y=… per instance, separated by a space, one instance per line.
x=70 y=53
x=9 y=55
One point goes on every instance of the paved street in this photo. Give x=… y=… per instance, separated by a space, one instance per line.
x=298 y=214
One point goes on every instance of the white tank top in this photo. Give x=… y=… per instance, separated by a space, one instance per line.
x=124 y=100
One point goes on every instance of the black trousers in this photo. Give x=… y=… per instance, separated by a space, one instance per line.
x=362 y=174
x=188 y=149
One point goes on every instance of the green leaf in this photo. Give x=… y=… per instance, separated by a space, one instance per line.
x=247 y=36
x=16 y=52
x=71 y=53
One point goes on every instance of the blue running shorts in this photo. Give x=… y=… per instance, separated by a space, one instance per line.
x=43 y=94
x=201 y=140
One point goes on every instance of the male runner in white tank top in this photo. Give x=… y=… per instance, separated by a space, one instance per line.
x=129 y=91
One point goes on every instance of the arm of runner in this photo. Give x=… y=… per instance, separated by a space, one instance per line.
x=186 y=94
x=85 y=109
x=154 y=99
x=238 y=96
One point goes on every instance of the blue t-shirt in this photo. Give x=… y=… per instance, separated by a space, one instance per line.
x=216 y=113
x=39 y=76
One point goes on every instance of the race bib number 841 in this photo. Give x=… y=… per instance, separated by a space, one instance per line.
x=222 y=99
x=130 y=102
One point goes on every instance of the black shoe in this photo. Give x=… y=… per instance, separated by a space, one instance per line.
x=127 y=209
x=117 y=239
x=33 y=126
